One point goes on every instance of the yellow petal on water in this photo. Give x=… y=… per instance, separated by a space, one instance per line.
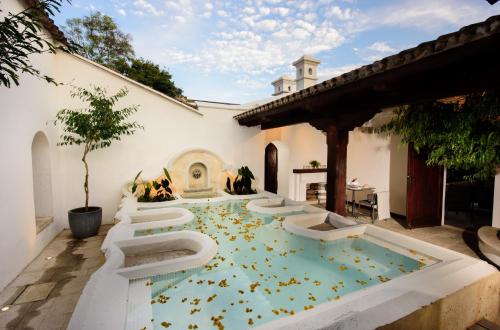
x=166 y=324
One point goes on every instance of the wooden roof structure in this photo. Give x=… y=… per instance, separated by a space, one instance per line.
x=457 y=63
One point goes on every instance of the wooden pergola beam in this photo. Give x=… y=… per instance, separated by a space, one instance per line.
x=336 y=172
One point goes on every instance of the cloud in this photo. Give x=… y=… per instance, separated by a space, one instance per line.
x=122 y=12
x=339 y=13
x=266 y=25
x=428 y=15
x=282 y=11
x=330 y=72
x=180 y=19
x=381 y=47
x=145 y=6
x=222 y=13
x=249 y=83
x=375 y=51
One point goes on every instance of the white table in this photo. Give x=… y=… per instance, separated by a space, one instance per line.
x=353 y=200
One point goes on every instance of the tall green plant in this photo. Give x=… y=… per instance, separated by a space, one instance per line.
x=242 y=184
x=97 y=125
x=460 y=136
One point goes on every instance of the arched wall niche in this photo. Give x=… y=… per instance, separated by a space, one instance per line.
x=186 y=165
x=42 y=176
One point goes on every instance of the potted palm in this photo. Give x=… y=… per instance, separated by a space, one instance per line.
x=93 y=127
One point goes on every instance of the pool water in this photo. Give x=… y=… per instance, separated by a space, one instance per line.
x=262 y=272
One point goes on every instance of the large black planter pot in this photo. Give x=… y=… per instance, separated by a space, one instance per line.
x=85 y=223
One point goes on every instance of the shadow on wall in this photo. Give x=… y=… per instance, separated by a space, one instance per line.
x=398 y=172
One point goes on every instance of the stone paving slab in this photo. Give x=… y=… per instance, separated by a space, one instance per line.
x=45 y=294
x=35 y=292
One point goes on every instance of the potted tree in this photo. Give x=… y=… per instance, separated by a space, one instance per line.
x=93 y=127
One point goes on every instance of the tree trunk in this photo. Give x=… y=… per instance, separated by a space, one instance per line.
x=86 y=183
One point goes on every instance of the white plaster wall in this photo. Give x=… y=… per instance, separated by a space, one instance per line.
x=169 y=129
x=368 y=160
x=305 y=144
x=496 y=201
x=24 y=111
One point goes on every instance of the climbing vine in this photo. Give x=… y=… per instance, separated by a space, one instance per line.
x=462 y=135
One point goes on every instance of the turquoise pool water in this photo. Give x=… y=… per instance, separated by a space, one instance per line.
x=261 y=272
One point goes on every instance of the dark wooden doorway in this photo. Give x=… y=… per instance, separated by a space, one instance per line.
x=424 y=204
x=271 y=169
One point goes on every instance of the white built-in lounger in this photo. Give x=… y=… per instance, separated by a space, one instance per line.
x=161 y=253
x=103 y=302
x=130 y=221
x=274 y=205
x=156 y=218
x=300 y=225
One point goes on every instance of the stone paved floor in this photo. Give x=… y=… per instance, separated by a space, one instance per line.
x=45 y=294
x=452 y=238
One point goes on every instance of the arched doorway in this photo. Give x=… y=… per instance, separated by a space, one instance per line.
x=271 y=169
x=42 y=177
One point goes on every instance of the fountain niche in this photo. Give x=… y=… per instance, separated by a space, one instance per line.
x=198 y=174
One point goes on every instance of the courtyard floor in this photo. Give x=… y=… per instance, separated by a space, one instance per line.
x=45 y=294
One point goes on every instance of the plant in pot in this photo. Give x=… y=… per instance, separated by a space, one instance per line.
x=242 y=184
x=94 y=127
x=314 y=164
x=158 y=190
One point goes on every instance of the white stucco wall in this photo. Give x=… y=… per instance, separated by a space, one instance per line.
x=24 y=112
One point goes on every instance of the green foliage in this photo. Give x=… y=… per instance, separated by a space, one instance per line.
x=167 y=174
x=99 y=39
x=462 y=137
x=102 y=41
x=149 y=74
x=242 y=184
x=158 y=190
x=314 y=164
x=21 y=37
x=134 y=184
x=96 y=126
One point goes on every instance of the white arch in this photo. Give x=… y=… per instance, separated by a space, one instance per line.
x=42 y=176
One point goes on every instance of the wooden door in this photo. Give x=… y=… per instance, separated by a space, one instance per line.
x=424 y=191
x=271 y=169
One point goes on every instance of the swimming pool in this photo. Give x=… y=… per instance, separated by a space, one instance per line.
x=261 y=275
x=262 y=272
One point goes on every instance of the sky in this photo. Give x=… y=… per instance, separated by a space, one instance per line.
x=231 y=51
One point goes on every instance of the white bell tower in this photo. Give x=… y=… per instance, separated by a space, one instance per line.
x=283 y=85
x=306 y=71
